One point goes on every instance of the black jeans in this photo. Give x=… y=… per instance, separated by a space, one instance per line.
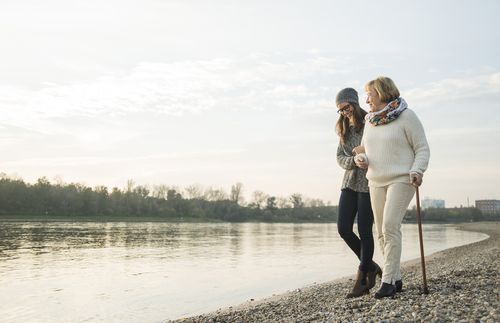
x=350 y=204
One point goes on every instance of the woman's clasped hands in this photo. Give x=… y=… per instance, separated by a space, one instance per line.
x=360 y=159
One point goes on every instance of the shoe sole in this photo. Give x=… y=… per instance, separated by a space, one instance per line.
x=366 y=292
x=385 y=296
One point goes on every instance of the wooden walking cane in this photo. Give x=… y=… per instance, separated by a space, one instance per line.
x=422 y=256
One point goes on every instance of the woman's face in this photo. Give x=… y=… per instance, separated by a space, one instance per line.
x=346 y=109
x=373 y=99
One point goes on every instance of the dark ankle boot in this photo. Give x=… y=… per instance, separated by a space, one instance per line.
x=372 y=275
x=360 y=287
x=386 y=290
x=399 y=285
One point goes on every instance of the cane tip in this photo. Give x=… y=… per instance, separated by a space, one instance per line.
x=423 y=290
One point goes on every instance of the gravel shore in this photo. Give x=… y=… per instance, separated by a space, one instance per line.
x=464 y=285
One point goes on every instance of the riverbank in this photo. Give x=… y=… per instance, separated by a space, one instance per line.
x=464 y=285
x=106 y=218
x=116 y=218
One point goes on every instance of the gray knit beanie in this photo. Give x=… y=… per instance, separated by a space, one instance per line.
x=347 y=95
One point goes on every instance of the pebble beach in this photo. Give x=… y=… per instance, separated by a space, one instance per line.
x=464 y=286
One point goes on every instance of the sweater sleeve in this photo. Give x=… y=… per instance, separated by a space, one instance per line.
x=345 y=161
x=416 y=137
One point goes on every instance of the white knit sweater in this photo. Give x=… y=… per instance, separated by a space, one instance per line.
x=395 y=149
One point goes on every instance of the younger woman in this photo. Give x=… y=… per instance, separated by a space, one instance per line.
x=354 y=198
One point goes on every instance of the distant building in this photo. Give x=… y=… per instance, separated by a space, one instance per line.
x=428 y=202
x=488 y=206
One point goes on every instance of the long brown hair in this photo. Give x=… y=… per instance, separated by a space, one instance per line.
x=343 y=122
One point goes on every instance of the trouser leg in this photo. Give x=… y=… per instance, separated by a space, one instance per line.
x=377 y=198
x=398 y=198
x=365 y=225
x=348 y=207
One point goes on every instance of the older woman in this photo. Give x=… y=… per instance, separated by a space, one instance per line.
x=397 y=156
x=354 y=196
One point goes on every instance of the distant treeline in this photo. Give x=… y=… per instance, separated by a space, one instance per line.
x=75 y=200
x=453 y=215
x=191 y=204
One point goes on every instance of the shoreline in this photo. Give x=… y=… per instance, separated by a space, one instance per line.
x=115 y=218
x=464 y=285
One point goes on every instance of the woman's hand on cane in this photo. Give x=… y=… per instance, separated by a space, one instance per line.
x=415 y=179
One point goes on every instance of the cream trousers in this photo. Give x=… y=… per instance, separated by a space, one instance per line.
x=389 y=204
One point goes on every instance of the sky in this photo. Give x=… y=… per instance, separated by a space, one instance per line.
x=219 y=92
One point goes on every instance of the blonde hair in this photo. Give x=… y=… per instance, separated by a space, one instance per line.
x=385 y=88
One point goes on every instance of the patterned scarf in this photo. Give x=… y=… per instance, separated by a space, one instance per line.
x=390 y=113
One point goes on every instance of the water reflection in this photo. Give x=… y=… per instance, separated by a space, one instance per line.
x=147 y=272
x=41 y=237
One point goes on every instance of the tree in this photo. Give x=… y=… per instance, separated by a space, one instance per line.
x=271 y=203
x=194 y=191
x=314 y=203
x=258 y=200
x=103 y=200
x=283 y=203
x=215 y=194
x=59 y=180
x=173 y=195
x=43 y=182
x=236 y=193
x=142 y=191
x=160 y=191
x=296 y=200
x=130 y=185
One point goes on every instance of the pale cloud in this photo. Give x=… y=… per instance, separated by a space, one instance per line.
x=456 y=89
x=100 y=161
x=178 y=88
x=453 y=133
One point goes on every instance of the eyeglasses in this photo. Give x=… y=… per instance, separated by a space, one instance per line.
x=344 y=109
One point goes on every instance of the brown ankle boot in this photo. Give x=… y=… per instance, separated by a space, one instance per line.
x=360 y=286
x=372 y=276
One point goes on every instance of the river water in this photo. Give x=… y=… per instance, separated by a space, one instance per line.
x=150 y=271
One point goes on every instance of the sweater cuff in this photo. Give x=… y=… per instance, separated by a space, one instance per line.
x=418 y=171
